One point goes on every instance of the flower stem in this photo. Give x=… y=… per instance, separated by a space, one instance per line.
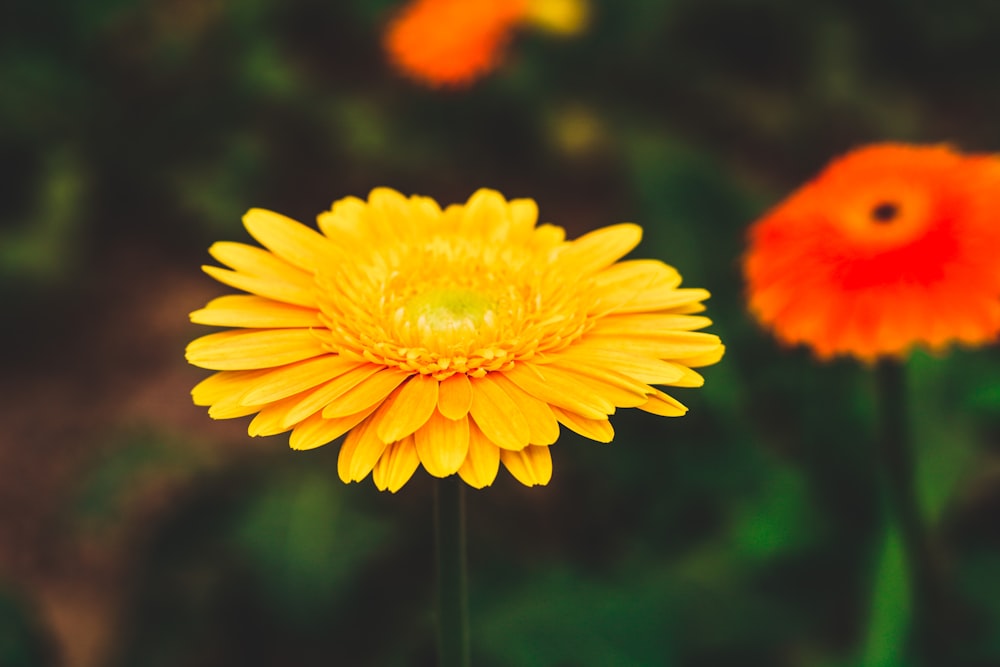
x=452 y=573
x=932 y=622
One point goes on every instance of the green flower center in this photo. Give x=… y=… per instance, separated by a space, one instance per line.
x=450 y=310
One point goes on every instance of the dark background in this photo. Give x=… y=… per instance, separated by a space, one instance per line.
x=136 y=531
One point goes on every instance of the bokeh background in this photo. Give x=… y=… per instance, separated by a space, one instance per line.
x=134 y=530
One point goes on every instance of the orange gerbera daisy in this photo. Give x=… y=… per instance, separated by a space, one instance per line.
x=891 y=246
x=455 y=339
x=452 y=42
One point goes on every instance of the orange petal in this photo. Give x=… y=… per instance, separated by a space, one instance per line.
x=396 y=465
x=483 y=461
x=530 y=466
x=595 y=429
x=443 y=444
x=497 y=415
x=409 y=409
x=455 y=396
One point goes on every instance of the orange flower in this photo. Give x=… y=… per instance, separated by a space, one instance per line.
x=451 y=42
x=890 y=246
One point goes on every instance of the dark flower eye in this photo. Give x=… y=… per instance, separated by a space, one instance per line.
x=885 y=212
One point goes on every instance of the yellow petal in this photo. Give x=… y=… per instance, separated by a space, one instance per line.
x=646 y=370
x=294 y=378
x=272 y=418
x=595 y=429
x=600 y=248
x=279 y=290
x=366 y=393
x=482 y=462
x=410 y=408
x=599 y=383
x=455 y=396
x=367 y=449
x=664 y=298
x=317 y=430
x=648 y=323
x=497 y=415
x=556 y=392
x=530 y=466
x=224 y=385
x=443 y=444
x=396 y=466
x=317 y=399
x=254 y=312
x=253 y=348
x=291 y=240
x=663 y=345
x=705 y=359
x=663 y=405
x=542 y=426
x=257 y=262
x=523 y=216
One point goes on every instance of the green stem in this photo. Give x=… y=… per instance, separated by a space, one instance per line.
x=931 y=617
x=452 y=573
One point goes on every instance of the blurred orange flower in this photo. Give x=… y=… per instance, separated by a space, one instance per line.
x=890 y=246
x=452 y=42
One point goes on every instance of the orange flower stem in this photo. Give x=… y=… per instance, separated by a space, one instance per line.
x=452 y=574
x=931 y=618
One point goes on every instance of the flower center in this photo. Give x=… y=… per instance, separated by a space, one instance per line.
x=885 y=212
x=450 y=313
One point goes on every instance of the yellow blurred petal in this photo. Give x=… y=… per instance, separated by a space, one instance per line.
x=542 y=426
x=368 y=392
x=291 y=240
x=255 y=312
x=482 y=462
x=600 y=248
x=410 y=408
x=253 y=348
x=561 y=17
x=663 y=405
x=595 y=429
x=396 y=466
x=443 y=444
x=530 y=466
x=279 y=290
x=455 y=396
x=523 y=216
x=497 y=415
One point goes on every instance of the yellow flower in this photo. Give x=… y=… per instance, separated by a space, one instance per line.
x=454 y=339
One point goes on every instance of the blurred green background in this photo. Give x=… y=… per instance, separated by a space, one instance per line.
x=136 y=531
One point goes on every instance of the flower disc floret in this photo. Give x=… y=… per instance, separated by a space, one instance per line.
x=451 y=339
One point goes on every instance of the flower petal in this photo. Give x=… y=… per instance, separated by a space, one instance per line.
x=595 y=429
x=455 y=396
x=316 y=430
x=542 y=426
x=315 y=400
x=279 y=290
x=254 y=312
x=291 y=240
x=600 y=248
x=396 y=465
x=410 y=409
x=530 y=466
x=368 y=392
x=253 y=348
x=443 y=444
x=497 y=415
x=291 y=379
x=483 y=461
x=663 y=405
x=556 y=392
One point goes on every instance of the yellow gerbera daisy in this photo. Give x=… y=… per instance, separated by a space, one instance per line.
x=454 y=339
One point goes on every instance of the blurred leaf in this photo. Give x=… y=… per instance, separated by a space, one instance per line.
x=305 y=541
